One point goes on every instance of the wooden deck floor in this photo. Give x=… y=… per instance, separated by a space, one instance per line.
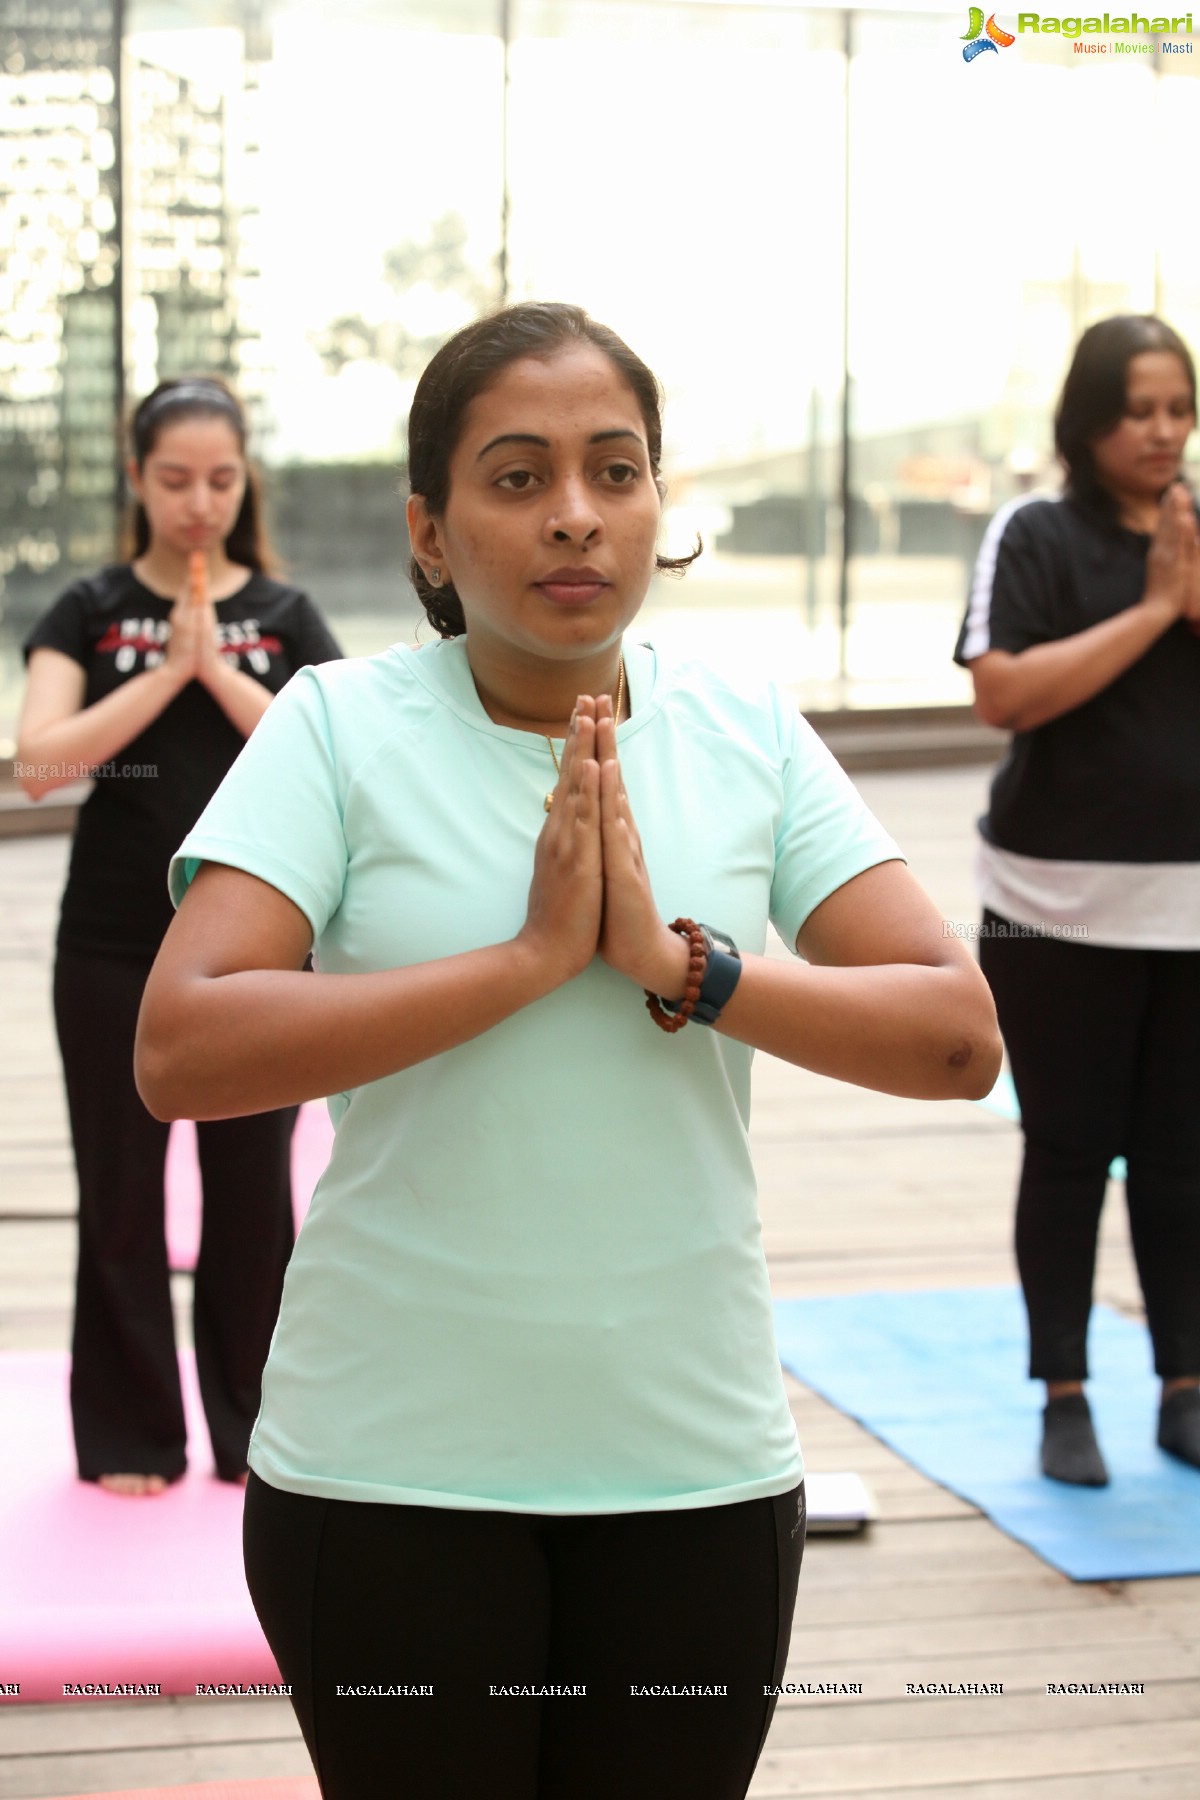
x=857 y=1191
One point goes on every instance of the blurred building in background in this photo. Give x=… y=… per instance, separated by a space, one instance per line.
x=60 y=301
x=857 y=264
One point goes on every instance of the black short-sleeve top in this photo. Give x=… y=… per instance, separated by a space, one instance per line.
x=1116 y=780
x=152 y=792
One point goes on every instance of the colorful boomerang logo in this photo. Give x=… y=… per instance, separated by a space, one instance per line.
x=995 y=36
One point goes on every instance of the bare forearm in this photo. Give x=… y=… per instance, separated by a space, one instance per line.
x=59 y=752
x=242 y=699
x=902 y=1028
x=1022 y=691
x=223 y=1046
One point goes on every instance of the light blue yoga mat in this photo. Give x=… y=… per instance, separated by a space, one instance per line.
x=940 y=1377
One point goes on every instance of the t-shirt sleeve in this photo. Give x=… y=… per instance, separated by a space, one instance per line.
x=313 y=640
x=827 y=835
x=1011 y=604
x=64 y=628
x=278 y=813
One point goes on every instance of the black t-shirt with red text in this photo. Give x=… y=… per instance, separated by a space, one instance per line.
x=149 y=796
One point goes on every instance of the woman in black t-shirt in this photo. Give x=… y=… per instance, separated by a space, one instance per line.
x=150 y=676
x=1081 y=636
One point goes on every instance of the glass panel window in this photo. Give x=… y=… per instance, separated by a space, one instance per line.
x=677 y=169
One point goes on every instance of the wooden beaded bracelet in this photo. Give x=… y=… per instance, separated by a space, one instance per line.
x=697 y=963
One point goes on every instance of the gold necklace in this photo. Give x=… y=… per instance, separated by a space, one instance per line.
x=617 y=705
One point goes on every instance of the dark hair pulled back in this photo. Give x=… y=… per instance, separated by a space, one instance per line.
x=463 y=368
x=200 y=397
x=1093 y=397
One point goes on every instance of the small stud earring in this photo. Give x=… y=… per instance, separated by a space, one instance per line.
x=435 y=575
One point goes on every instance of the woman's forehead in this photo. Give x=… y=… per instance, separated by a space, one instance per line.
x=200 y=438
x=578 y=388
x=1157 y=369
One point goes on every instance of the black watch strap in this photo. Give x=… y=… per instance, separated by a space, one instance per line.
x=721 y=975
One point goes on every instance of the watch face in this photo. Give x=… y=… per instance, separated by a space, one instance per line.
x=721 y=940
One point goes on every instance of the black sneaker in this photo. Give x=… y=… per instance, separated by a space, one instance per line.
x=1069 y=1448
x=1179 y=1425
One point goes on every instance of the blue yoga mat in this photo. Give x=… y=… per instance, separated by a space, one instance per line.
x=940 y=1377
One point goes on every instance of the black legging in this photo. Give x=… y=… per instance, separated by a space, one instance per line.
x=1105 y=1051
x=126 y=1404
x=354 y=1595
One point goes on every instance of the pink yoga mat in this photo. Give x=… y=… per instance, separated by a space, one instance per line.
x=98 y=1588
x=311 y=1144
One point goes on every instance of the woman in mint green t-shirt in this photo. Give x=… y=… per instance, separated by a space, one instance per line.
x=526 y=1507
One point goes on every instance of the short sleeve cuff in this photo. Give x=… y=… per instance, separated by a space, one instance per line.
x=803 y=899
x=199 y=848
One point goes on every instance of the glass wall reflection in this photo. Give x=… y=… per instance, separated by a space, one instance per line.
x=701 y=213
x=765 y=199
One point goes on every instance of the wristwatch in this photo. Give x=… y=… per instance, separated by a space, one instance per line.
x=721 y=973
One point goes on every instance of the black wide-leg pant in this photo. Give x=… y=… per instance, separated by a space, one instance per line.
x=1104 y=1045
x=455 y=1655
x=126 y=1403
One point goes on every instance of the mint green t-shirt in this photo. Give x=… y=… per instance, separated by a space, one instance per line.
x=532 y=1277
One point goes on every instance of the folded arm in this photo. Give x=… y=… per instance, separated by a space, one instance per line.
x=885 y=999
x=1019 y=690
x=231 y=1023
x=58 y=737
